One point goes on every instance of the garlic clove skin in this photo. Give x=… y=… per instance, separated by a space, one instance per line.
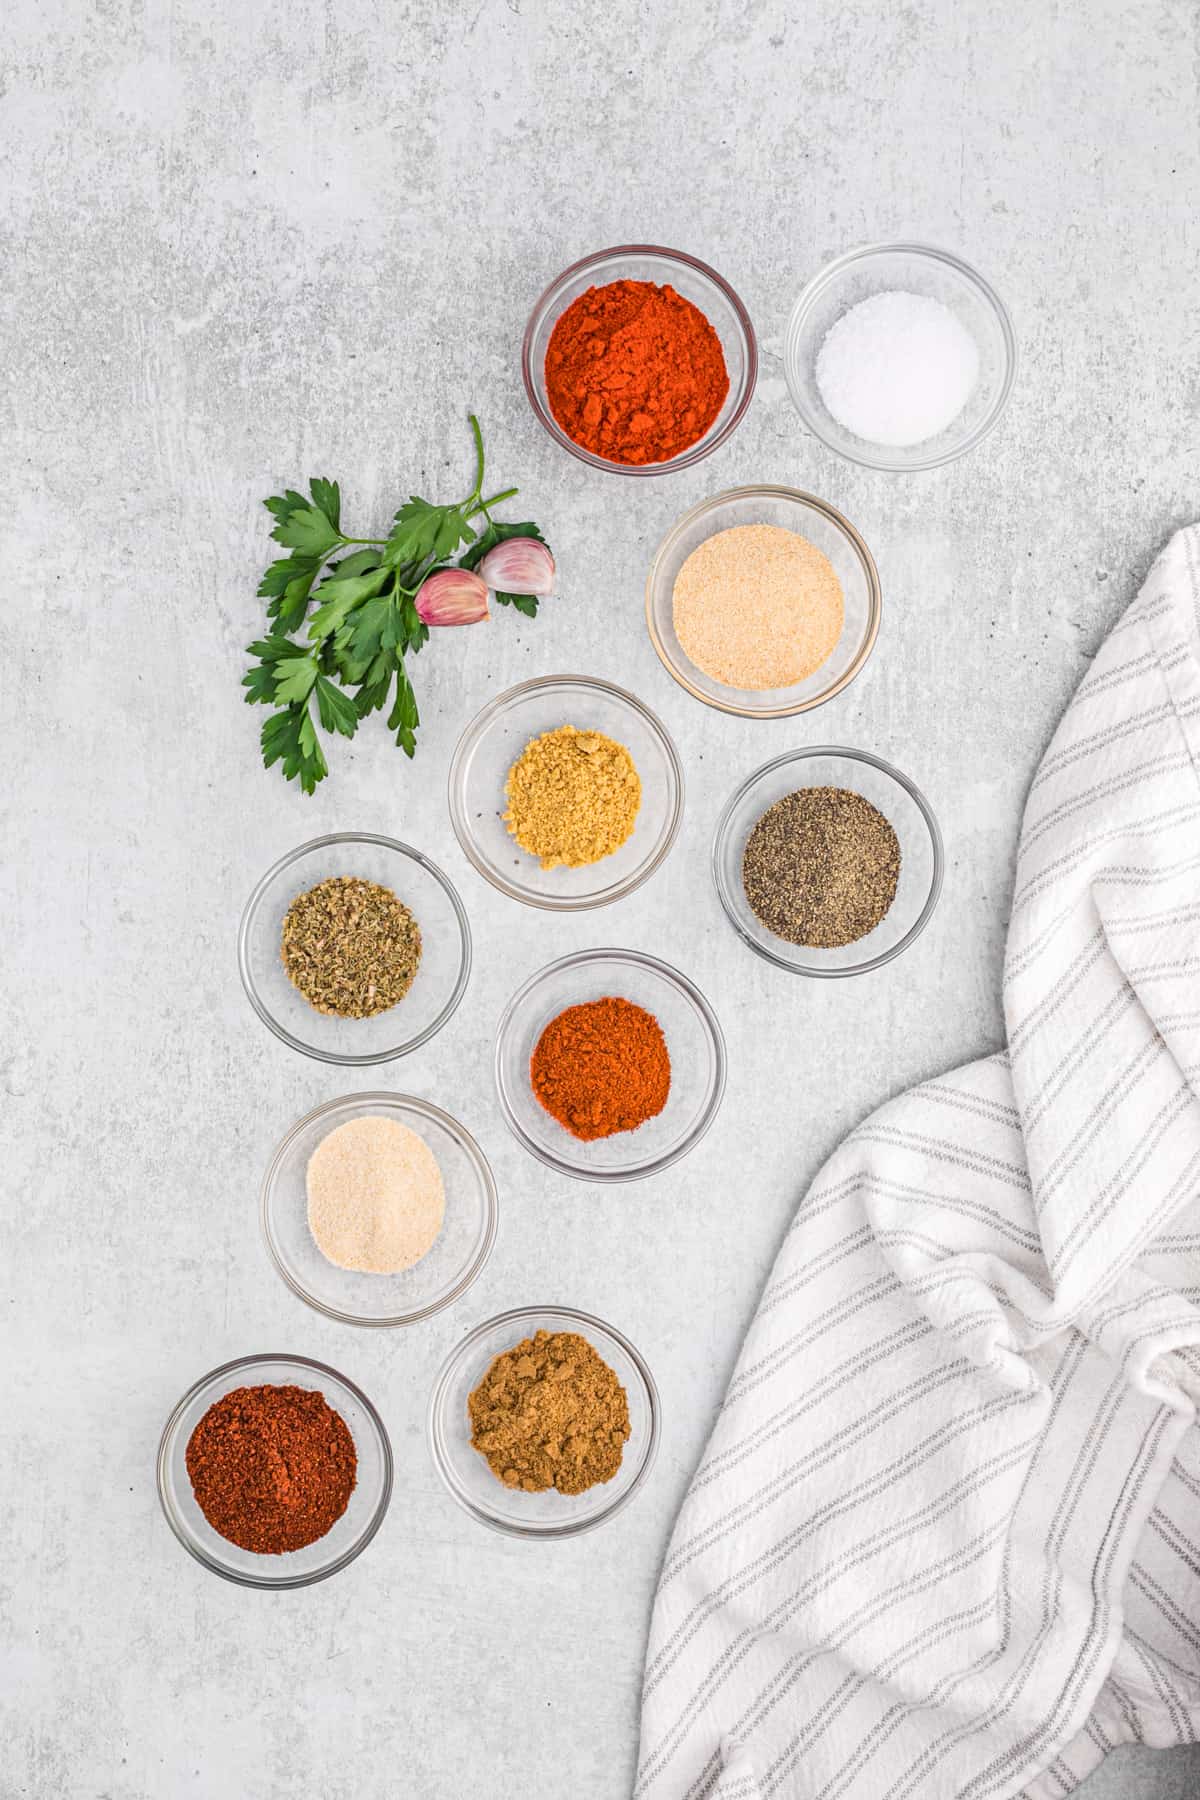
x=452 y=597
x=519 y=565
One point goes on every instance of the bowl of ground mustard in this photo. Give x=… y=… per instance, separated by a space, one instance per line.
x=354 y=948
x=544 y=1422
x=828 y=861
x=566 y=792
x=763 y=601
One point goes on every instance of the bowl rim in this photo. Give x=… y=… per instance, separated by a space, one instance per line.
x=823 y=279
x=677 y=979
x=475 y=1155
x=886 y=768
x=471 y=735
x=193 y=1546
x=771 y=490
x=697 y=452
x=571 y=1316
x=358 y=1060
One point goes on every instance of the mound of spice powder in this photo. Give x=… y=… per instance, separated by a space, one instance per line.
x=550 y=1413
x=602 y=1067
x=757 y=607
x=634 y=372
x=272 y=1468
x=820 y=867
x=573 y=797
x=350 y=947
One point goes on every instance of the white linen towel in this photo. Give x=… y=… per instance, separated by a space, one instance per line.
x=945 y=1538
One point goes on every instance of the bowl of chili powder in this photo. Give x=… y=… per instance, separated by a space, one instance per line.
x=274 y=1471
x=610 y=1065
x=640 y=359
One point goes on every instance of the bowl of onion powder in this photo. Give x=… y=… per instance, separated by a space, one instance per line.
x=900 y=356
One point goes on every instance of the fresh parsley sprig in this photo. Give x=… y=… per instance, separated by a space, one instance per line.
x=341 y=625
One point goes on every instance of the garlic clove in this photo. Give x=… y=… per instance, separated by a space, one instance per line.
x=452 y=597
x=519 y=565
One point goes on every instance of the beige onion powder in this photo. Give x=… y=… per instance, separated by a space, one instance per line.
x=375 y=1196
x=757 y=607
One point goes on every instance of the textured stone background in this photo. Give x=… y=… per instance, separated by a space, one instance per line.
x=246 y=242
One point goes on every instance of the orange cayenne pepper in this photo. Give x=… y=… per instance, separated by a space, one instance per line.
x=602 y=1067
x=634 y=372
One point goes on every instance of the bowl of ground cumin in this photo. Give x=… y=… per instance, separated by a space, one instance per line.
x=566 y=792
x=274 y=1471
x=763 y=601
x=354 y=948
x=544 y=1422
x=639 y=360
x=828 y=861
x=610 y=1065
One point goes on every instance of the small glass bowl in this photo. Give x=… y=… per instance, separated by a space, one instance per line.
x=694 y=1044
x=495 y=739
x=343 y=1542
x=465 y=1471
x=853 y=565
x=900 y=802
x=911 y=269
x=689 y=277
x=462 y=1246
x=441 y=977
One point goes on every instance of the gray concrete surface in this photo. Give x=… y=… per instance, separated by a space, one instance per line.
x=244 y=243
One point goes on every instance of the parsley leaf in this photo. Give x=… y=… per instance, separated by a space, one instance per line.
x=404 y=717
x=524 y=603
x=288 y=737
x=294 y=677
x=337 y=710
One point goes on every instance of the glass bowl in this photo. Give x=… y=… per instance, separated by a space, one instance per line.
x=689 y=277
x=913 y=269
x=465 y=1471
x=821 y=525
x=495 y=739
x=461 y=1249
x=694 y=1043
x=441 y=977
x=900 y=802
x=344 y=1541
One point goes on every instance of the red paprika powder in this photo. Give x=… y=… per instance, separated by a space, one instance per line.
x=272 y=1468
x=602 y=1067
x=634 y=372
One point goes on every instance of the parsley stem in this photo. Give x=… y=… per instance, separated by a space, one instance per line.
x=493 y=500
x=478 y=435
x=373 y=541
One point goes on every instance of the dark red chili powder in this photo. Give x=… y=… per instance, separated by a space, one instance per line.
x=272 y=1468
x=602 y=1067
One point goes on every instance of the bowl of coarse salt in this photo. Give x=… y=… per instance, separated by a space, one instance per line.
x=900 y=356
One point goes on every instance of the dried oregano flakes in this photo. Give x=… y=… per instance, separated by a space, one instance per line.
x=350 y=947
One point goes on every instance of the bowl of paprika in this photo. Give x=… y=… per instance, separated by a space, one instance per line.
x=640 y=359
x=610 y=1065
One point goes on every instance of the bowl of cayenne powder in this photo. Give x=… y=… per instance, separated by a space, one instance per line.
x=828 y=861
x=544 y=1422
x=274 y=1471
x=610 y=1065
x=640 y=359
x=763 y=601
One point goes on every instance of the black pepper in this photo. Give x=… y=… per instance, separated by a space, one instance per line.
x=820 y=867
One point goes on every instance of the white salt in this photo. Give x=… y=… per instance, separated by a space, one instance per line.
x=897 y=369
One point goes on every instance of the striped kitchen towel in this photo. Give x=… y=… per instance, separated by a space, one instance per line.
x=945 y=1538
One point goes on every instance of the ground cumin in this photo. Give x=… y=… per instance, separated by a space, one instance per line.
x=550 y=1413
x=573 y=797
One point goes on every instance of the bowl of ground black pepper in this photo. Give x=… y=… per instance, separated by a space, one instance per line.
x=566 y=792
x=610 y=1065
x=354 y=948
x=640 y=360
x=828 y=861
x=544 y=1422
x=274 y=1471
